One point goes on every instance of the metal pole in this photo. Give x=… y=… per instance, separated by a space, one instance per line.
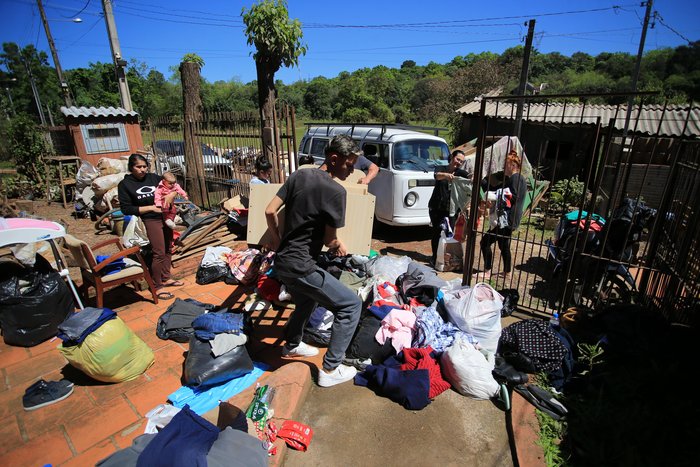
x=54 y=54
x=637 y=66
x=35 y=91
x=12 y=104
x=119 y=62
x=523 y=76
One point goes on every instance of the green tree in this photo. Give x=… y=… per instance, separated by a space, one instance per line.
x=26 y=146
x=277 y=41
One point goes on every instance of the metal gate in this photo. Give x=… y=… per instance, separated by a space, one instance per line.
x=575 y=245
x=229 y=144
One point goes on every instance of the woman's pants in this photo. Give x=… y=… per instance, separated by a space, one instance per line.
x=161 y=238
x=502 y=237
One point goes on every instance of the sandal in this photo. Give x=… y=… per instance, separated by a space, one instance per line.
x=174 y=284
x=165 y=296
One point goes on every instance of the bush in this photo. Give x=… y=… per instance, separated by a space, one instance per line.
x=565 y=193
x=26 y=147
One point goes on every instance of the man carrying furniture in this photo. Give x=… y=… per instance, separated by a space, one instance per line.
x=314 y=210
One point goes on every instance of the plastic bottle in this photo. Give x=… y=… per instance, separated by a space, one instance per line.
x=554 y=320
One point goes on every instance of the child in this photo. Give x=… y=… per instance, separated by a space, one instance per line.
x=166 y=186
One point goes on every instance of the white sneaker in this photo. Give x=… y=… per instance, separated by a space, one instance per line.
x=302 y=350
x=170 y=223
x=340 y=375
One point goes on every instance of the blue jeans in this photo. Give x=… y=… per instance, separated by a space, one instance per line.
x=321 y=288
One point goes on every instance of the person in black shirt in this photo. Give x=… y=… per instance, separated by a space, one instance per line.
x=314 y=209
x=439 y=204
x=137 y=198
x=506 y=212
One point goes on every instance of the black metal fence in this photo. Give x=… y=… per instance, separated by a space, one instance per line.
x=612 y=209
x=229 y=143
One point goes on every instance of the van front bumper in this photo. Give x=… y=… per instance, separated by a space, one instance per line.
x=405 y=221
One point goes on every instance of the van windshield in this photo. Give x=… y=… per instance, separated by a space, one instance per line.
x=419 y=154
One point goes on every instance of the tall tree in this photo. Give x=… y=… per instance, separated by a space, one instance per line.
x=277 y=41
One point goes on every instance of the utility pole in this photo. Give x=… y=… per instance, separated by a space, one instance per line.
x=57 y=64
x=637 y=66
x=35 y=91
x=119 y=62
x=523 y=77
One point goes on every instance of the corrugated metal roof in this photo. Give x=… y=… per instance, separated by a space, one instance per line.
x=652 y=119
x=97 y=112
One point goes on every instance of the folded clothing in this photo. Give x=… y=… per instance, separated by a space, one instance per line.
x=206 y=326
x=79 y=325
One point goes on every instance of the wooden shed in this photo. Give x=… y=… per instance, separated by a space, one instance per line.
x=99 y=132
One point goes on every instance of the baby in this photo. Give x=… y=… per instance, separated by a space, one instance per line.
x=166 y=186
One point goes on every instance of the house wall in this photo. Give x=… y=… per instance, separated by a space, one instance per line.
x=133 y=134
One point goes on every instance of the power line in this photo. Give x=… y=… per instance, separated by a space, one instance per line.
x=658 y=17
x=81 y=10
x=121 y=8
x=99 y=20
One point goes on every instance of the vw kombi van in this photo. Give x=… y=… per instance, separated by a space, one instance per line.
x=406 y=158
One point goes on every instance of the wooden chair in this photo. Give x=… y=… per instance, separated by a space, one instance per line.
x=92 y=272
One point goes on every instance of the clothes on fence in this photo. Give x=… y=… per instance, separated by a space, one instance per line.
x=426 y=359
x=224 y=342
x=185 y=442
x=79 y=325
x=460 y=195
x=433 y=331
x=397 y=325
x=176 y=322
x=206 y=326
x=410 y=388
x=214 y=256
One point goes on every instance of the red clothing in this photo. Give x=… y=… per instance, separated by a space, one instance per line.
x=421 y=359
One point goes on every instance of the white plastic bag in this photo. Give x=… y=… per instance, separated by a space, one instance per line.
x=468 y=370
x=450 y=254
x=109 y=166
x=478 y=312
x=135 y=233
x=388 y=268
x=85 y=175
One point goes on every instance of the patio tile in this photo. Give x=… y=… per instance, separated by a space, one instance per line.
x=224 y=292
x=34 y=368
x=51 y=448
x=10 y=437
x=149 y=395
x=39 y=421
x=102 y=393
x=92 y=455
x=207 y=297
x=99 y=423
x=168 y=358
x=46 y=346
x=149 y=336
x=124 y=437
x=9 y=355
x=11 y=401
x=137 y=310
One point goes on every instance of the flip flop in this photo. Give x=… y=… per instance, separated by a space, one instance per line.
x=165 y=296
x=174 y=284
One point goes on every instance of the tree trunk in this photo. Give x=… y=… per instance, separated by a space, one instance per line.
x=192 y=111
x=267 y=94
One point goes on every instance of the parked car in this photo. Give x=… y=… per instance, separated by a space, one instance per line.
x=171 y=154
x=406 y=158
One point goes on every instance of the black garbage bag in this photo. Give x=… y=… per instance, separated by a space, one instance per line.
x=202 y=368
x=510 y=301
x=33 y=302
x=209 y=274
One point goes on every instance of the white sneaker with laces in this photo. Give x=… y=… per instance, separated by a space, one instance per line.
x=340 y=375
x=302 y=350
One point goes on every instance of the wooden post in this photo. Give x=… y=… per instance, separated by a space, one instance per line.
x=192 y=112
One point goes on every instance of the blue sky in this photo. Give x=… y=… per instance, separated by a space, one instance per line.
x=341 y=36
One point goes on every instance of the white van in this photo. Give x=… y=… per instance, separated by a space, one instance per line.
x=406 y=158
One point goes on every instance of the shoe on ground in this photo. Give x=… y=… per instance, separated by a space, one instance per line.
x=171 y=223
x=301 y=350
x=43 y=393
x=340 y=375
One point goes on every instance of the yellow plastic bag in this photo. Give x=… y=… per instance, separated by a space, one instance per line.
x=112 y=353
